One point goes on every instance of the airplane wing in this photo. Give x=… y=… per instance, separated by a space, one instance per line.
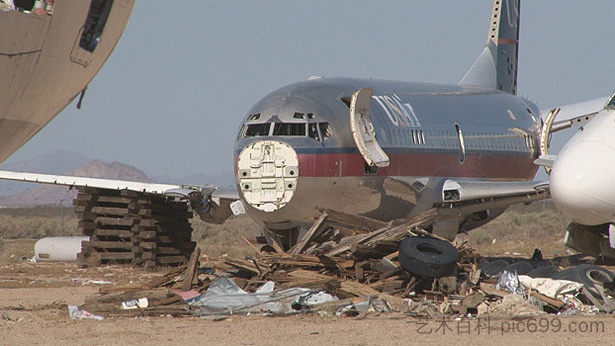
x=455 y=190
x=475 y=201
x=212 y=203
x=572 y=114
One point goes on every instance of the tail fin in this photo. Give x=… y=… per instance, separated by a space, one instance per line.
x=496 y=67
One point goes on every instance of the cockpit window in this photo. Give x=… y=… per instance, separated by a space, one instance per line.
x=325 y=131
x=254 y=116
x=313 y=131
x=289 y=129
x=611 y=103
x=257 y=130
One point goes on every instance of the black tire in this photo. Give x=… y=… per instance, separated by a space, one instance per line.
x=588 y=274
x=549 y=271
x=494 y=268
x=428 y=257
x=521 y=268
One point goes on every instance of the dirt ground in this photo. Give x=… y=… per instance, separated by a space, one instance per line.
x=33 y=299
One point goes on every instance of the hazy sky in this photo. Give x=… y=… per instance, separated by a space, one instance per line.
x=171 y=97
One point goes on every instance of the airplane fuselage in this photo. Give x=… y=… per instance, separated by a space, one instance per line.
x=295 y=151
x=582 y=177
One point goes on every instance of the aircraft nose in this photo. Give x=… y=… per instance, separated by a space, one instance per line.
x=267 y=172
x=581 y=182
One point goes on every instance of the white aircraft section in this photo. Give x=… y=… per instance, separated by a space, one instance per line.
x=268 y=172
x=89 y=182
x=581 y=181
x=574 y=110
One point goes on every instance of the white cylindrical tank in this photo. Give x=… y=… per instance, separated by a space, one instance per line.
x=58 y=249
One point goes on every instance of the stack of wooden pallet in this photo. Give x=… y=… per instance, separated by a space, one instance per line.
x=132 y=228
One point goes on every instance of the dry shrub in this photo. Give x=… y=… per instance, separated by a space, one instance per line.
x=216 y=240
x=522 y=229
x=36 y=222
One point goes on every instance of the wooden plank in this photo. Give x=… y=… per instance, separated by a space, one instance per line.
x=113 y=233
x=116 y=255
x=402 y=231
x=555 y=303
x=276 y=246
x=492 y=291
x=109 y=244
x=167 y=250
x=171 y=259
x=110 y=211
x=311 y=233
x=192 y=264
x=114 y=221
x=251 y=245
x=355 y=221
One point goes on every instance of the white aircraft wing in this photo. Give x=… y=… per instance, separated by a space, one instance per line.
x=572 y=114
x=215 y=197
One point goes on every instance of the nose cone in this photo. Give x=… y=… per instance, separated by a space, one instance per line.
x=582 y=182
x=267 y=172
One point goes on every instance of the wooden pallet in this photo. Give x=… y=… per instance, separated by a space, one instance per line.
x=135 y=228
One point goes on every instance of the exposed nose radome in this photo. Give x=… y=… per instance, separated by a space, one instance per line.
x=582 y=185
x=267 y=172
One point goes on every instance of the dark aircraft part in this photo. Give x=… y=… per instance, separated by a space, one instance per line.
x=427 y=257
x=212 y=212
x=589 y=240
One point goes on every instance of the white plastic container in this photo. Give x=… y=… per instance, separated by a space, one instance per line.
x=58 y=249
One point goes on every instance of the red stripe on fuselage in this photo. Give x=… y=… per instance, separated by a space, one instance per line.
x=439 y=165
x=413 y=165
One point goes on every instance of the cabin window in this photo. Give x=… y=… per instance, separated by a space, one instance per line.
x=95 y=24
x=289 y=129
x=254 y=130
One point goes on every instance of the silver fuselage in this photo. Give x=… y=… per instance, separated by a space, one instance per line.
x=417 y=125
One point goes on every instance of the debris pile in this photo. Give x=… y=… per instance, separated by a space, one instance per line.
x=338 y=267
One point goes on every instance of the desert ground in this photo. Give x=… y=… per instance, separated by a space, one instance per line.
x=34 y=297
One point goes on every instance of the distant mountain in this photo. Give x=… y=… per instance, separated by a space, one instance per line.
x=53 y=162
x=40 y=194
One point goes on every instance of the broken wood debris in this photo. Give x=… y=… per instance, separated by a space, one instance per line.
x=356 y=264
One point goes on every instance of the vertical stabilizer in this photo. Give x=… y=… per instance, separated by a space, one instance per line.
x=496 y=67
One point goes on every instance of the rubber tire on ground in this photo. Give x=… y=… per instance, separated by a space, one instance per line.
x=587 y=274
x=494 y=268
x=548 y=271
x=521 y=268
x=428 y=257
